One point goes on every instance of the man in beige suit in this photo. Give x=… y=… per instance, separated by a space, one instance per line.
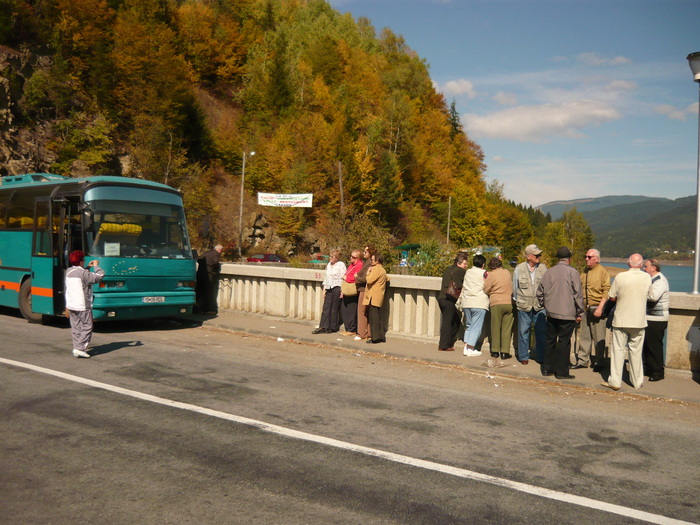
x=630 y=290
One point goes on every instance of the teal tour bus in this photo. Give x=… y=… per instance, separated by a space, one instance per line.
x=135 y=228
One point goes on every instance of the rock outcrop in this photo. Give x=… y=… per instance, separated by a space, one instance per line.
x=23 y=149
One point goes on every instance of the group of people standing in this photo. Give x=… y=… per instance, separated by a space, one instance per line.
x=353 y=295
x=556 y=303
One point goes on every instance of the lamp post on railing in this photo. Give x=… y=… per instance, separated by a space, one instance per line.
x=694 y=61
x=240 y=206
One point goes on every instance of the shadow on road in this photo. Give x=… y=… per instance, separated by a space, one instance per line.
x=146 y=325
x=112 y=347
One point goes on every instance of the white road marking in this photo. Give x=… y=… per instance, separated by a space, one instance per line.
x=389 y=456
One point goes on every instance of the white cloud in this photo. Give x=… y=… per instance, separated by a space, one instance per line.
x=675 y=113
x=459 y=87
x=671 y=111
x=537 y=123
x=498 y=158
x=621 y=85
x=594 y=59
x=505 y=99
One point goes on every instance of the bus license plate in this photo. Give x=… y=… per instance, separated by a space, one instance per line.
x=157 y=299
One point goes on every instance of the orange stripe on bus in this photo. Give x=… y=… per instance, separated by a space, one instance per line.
x=42 y=292
x=9 y=286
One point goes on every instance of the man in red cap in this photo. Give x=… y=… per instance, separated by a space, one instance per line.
x=78 y=288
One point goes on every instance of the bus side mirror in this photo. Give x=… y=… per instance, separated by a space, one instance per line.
x=87 y=220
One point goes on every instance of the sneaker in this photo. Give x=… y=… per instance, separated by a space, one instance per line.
x=472 y=353
x=80 y=353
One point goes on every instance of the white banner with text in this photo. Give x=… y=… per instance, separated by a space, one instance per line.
x=286 y=200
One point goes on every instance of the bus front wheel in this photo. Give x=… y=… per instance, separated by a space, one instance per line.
x=25 y=303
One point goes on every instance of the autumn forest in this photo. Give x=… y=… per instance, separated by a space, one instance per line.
x=180 y=92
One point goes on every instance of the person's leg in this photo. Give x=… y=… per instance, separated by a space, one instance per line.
x=524 y=324
x=585 y=340
x=81 y=326
x=497 y=311
x=550 y=355
x=375 y=322
x=540 y=322
x=326 y=311
x=566 y=329
x=74 y=328
x=349 y=313
x=362 y=320
x=456 y=324
x=474 y=320
x=213 y=295
x=447 y=312
x=653 y=349
x=335 y=309
x=617 y=356
x=478 y=318
x=636 y=339
x=506 y=329
x=598 y=334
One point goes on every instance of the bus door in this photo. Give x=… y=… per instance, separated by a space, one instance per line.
x=67 y=237
x=45 y=261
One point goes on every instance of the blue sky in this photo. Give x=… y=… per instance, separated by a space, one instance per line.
x=568 y=98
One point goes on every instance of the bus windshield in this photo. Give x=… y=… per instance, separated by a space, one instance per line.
x=137 y=230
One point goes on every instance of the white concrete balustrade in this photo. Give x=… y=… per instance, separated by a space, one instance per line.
x=296 y=293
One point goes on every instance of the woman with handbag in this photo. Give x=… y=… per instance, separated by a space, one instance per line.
x=452 y=279
x=348 y=294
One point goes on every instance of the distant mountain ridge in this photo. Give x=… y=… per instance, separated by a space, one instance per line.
x=624 y=224
x=557 y=208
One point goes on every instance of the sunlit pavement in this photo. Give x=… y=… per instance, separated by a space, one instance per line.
x=678 y=384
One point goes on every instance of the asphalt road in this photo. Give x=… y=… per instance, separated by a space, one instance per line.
x=174 y=423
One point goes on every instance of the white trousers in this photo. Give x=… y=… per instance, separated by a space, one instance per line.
x=626 y=344
x=81 y=328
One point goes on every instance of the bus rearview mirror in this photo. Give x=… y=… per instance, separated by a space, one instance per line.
x=88 y=220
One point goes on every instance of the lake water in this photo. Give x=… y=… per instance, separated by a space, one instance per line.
x=680 y=278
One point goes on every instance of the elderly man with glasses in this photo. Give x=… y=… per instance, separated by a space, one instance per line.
x=595 y=283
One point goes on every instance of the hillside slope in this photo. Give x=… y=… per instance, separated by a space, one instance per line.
x=624 y=224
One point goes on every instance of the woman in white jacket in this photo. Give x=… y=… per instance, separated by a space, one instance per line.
x=475 y=304
x=78 y=288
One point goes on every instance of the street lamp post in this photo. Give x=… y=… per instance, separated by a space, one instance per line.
x=694 y=61
x=240 y=207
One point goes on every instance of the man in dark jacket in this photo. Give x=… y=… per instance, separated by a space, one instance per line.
x=208 y=272
x=560 y=295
